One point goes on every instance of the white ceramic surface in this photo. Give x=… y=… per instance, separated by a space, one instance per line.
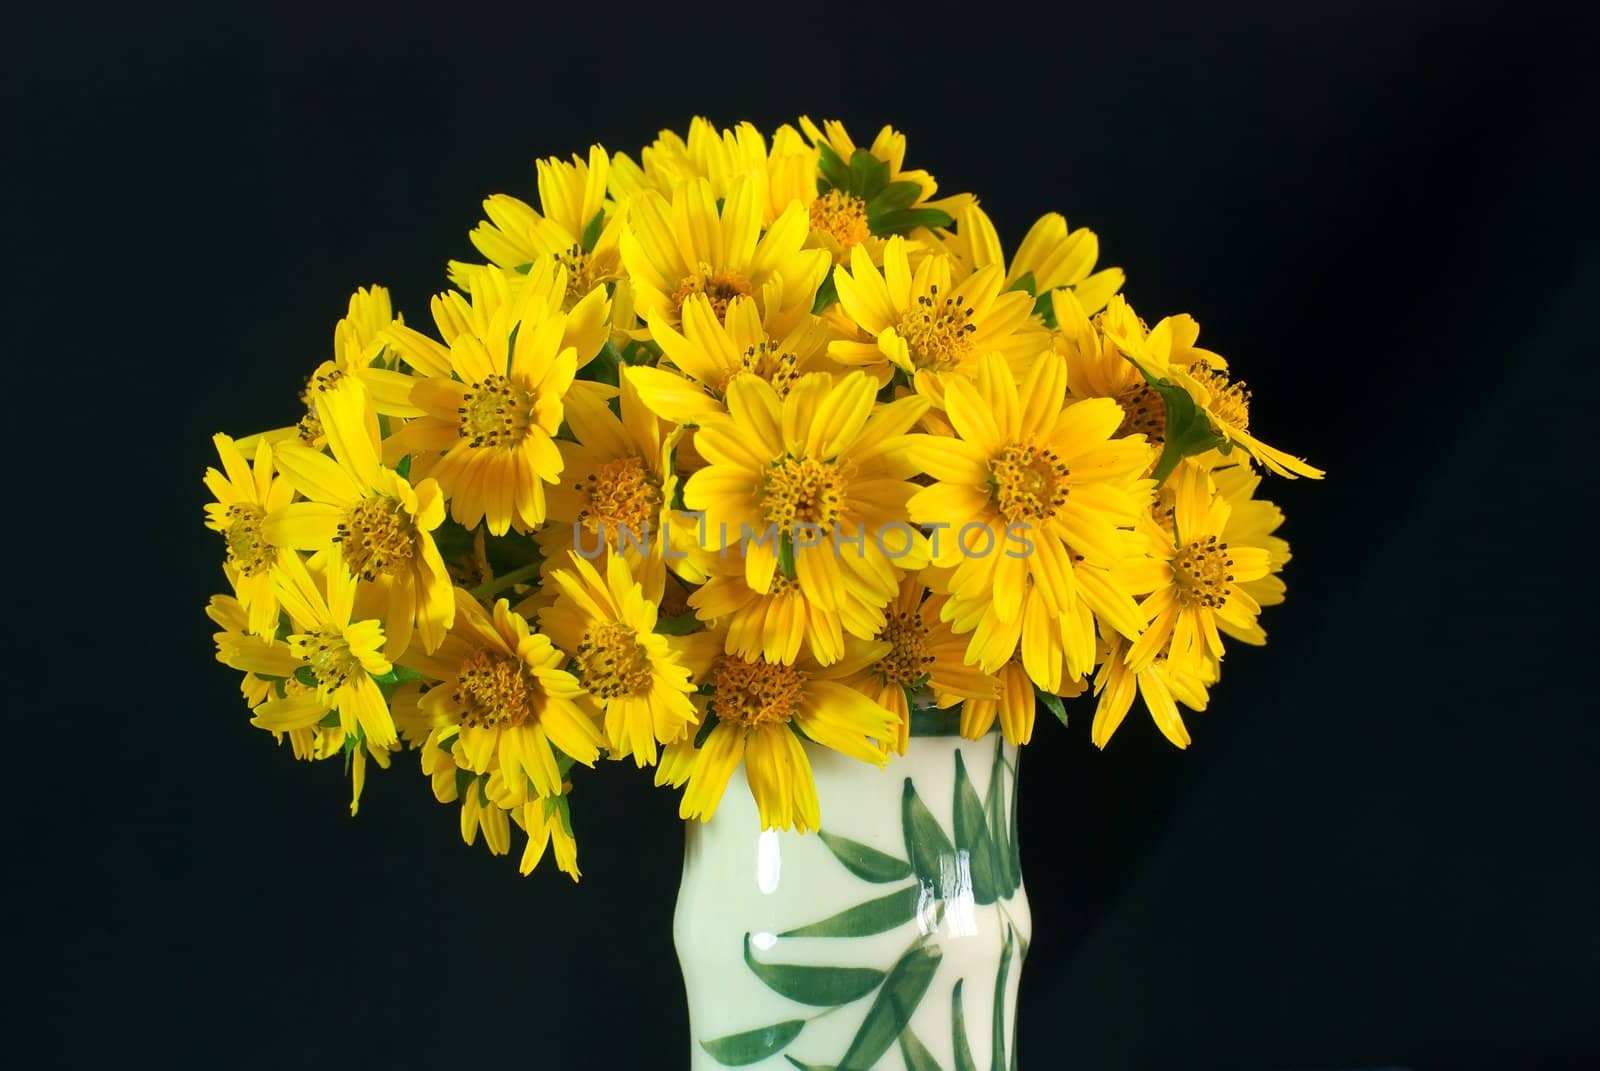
x=859 y=1000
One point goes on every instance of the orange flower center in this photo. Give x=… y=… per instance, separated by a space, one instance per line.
x=841 y=215
x=580 y=275
x=1230 y=401
x=611 y=662
x=937 y=331
x=755 y=694
x=719 y=286
x=1028 y=483
x=309 y=428
x=327 y=653
x=803 y=491
x=496 y=412
x=377 y=538
x=1200 y=572
x=1144 y=412
x=764 y=361
x=911 y=656
x=248 y=550
x=494 y=691
x=621 y=494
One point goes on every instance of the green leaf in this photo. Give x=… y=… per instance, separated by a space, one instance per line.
x=868 y=174
x=706 y=726
x=305 y=676
x=875 y=916
x=820 y=987
x=958 y=1030
x=1026 y=282
x=591 y=231
x=681 y=625
x=901 y=993
x=994 y=807
x=605 y=368
x=972 y=837
x=403 y=469
x=895 y=195
x=916 y=1055
x=999 y=1050
x=930 y=851
x=1014 y=855
x=834 y=170
x=903 y=220
x=753 y=1046
x=1045 y=310
x=827 y=294
x=330 y=720
x=786 y=555
x=1188 y=431
x=1052 y=701
x=865 y=862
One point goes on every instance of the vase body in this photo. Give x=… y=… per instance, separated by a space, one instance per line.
x=892 y=939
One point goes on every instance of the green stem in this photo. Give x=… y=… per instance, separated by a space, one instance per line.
x=509 y=580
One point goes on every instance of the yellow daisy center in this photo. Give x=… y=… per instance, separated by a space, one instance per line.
x=720 y=287
x=1230 y=401
x=622 y=494
x=1200 y=572
x=496 y=412
x=580 y=278
x=309 y=428
x=841 y=215
x=377 y=537
x=765 y=362
x=611 y=662
x=937 y=331
x=803 y=491
x=1028 y=483
x=248 y=550
x=1144 y=412
x=753 y=695
x=494 y=691
x=328 y=654
x=911 y=655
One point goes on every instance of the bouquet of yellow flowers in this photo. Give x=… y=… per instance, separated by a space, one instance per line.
x=745 y=443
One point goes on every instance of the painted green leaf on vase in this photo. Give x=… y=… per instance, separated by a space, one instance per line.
x=821 y=987
x=1014 y=852
x=994 y=806
x=999 y=1049
x=972 y=837
x=901 y=993
x=865 y=862
x=753 y=1046
x=875 y=916
x=930 y=851
x=915 y=1054
x=958 y=1030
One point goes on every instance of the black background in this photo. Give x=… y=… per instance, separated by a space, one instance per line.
x=1379 y=850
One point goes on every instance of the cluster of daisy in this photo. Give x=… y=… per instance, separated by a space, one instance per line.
x=742 y=444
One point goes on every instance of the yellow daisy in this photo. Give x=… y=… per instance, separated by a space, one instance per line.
x=577 y=228
x=773 y=624
x=1251 y=523
x=547 y=823
x=1096 y=367
x=632 y=673
x=691 y=246
x=787 y=172
x=919 y=322
x=712 y=351
x=1052 y=258
x=492 y=401
x=757 y=707
x=503 y=685
x=1167 y=353
x=332 y=655
x=360 y=366
x=912 y=209
x=1201 y=579
x=821 y=475
x=617 y=487
x=378 y=524
x=1038 y=496
x=1160 y=684
x=925 y=660
x=244 y=497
